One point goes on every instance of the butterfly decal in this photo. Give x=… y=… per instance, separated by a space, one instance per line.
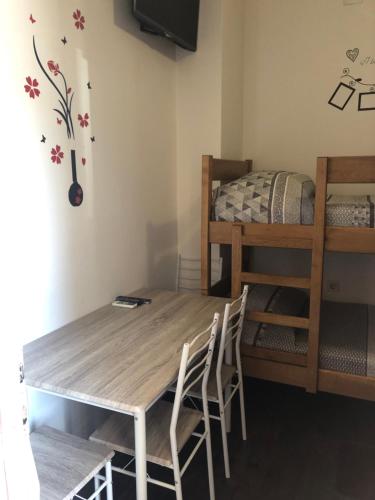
x=59 y=121
x=89 y=85
x=43 y=139
x=32 y=20
x=83 y=161
x=64 y=40
x=92 y=138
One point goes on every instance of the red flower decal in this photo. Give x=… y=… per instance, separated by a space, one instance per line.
x=57 y=155
x=84 y=120
x=79 y=20
x=53 y=67
x=31 y=87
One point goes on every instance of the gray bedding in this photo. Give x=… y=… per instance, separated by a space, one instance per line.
x=347 y=332
x=279 y=197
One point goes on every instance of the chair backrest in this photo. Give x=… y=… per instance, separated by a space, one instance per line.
x=194 y=367
x=188 y=276
x=232 y=330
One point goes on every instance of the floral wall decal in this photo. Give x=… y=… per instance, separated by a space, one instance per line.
x=56 y=154
x=31 y=87
x=83 y=120
x=57 y=81
x=79 y=20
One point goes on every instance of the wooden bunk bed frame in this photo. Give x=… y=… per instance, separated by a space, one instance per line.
x=294 y=369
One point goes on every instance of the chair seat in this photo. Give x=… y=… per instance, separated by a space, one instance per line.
x=117 y=432
x=65 y=463
x=227 y=372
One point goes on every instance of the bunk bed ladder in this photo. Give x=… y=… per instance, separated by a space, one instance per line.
x=313 y=283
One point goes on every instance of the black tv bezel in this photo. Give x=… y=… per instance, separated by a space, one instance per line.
x=148 y=24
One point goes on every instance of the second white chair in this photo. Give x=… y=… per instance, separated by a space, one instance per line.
x=220 y=388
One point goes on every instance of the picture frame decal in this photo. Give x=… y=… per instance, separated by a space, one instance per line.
x=366 y=101
x=341 y=96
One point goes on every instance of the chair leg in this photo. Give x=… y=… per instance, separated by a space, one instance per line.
x=242 y=406
x=228 y=410
x=108 y=475
x=96 y=486
x=209 y=463
x=223 y=426
x=177 y=483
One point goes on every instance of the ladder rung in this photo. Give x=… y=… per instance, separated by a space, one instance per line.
x=274 y=279
x=278 y=319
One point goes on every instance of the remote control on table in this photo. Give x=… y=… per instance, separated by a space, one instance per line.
x=134 y=300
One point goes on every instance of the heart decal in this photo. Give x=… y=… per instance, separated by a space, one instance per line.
x=352 y=54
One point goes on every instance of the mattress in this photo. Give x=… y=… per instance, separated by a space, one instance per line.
x=279 y=197
x=347 y=334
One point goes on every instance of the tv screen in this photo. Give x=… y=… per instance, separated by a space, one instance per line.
x=175 y=19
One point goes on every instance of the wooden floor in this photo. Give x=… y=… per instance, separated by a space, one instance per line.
x=300 y=446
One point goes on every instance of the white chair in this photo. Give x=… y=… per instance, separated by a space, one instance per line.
x=170 y=426
x=66 y=463
x=220 y=380
x=188 y=276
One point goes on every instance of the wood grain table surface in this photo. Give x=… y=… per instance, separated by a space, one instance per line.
x=116 y=358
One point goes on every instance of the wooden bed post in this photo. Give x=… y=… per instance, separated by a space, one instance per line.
x=207 y=167
x=317 y=274
x=236 y=259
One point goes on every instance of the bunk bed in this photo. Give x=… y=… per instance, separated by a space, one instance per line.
x=313 y=364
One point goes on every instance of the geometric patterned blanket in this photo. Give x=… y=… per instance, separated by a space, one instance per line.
x=267 y=197
x=281 y=197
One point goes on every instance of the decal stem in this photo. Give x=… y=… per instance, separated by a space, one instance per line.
x=74 y=167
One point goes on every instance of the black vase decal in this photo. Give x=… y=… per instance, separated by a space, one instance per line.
x=75 y=190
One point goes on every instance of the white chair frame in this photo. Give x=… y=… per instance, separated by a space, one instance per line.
x=193 y=368
x=230 y=334
x=98 y=486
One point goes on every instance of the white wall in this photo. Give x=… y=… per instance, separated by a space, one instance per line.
x=199 y=105
x=232 y=78
x=294 y=55
x=209 y=109
x=72 y=260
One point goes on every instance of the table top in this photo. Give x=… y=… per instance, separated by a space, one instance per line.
x=117 y=358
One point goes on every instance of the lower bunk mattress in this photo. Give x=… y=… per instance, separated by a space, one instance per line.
x=347 y=331
x=279 y=197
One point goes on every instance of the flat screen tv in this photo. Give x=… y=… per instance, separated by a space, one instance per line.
x=175 y=19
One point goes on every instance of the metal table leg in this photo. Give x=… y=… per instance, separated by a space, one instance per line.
x=140 y=454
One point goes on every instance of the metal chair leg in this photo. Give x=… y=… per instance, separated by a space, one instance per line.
x=96 y=486
x=210 y=465
x=243 y=415
x=223 y=426
x=177 y=483
x=108 y=475
x=228 y=410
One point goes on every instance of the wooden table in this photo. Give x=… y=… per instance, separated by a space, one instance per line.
x=121 y=359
